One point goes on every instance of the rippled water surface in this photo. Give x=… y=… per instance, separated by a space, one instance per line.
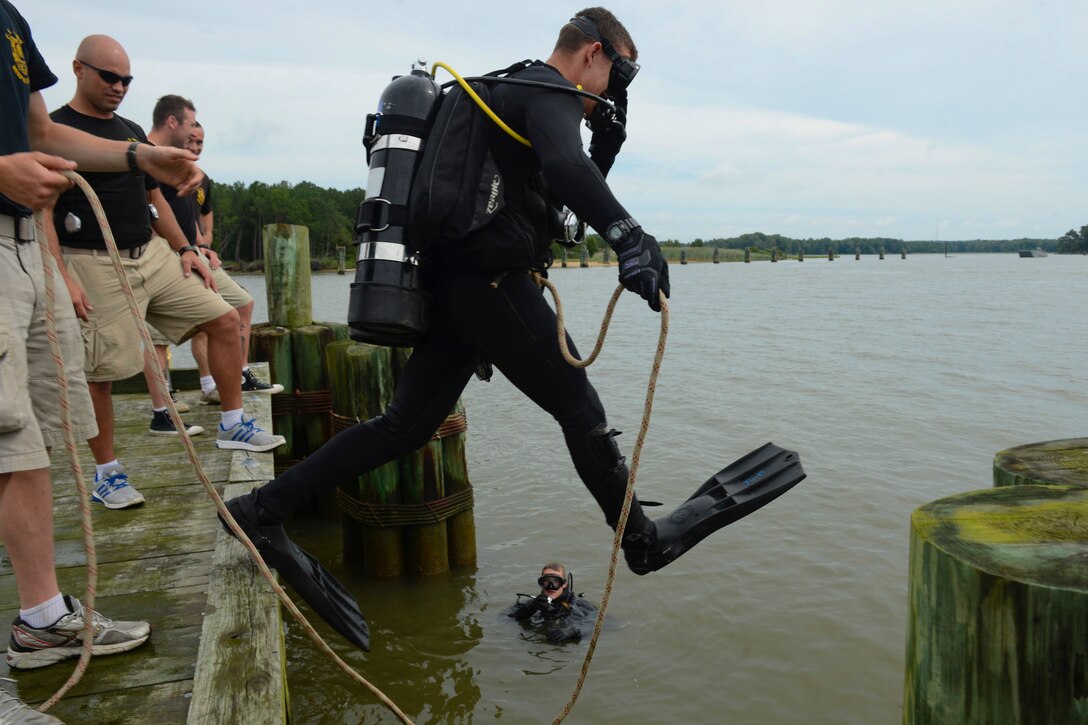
x=896 y=380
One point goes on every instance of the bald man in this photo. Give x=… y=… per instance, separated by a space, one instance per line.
x=173 y=286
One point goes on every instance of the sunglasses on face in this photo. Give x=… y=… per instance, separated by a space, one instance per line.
x=550 y=582
x=107 y=75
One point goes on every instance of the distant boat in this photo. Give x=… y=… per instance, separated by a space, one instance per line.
x=1037 y=252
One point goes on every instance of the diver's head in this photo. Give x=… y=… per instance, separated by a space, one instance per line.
x=596 y=52
x=553 y=580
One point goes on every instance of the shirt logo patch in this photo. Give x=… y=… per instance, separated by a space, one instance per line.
x=18 y=56
x=200 y=196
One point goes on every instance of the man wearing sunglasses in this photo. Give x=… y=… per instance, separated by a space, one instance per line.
x=173 y=287
x=564 y=615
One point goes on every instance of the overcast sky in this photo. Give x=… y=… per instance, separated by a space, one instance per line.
x=915 y=119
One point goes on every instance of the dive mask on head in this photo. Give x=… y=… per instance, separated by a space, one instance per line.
x=551 y=582
x=623 y=70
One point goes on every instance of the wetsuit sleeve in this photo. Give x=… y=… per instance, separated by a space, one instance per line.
x=553 y=123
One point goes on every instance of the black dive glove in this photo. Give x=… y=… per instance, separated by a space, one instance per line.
x=643 y=269
x=557 y=635
x=609 y=131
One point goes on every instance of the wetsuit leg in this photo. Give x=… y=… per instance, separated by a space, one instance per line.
x=514 y=327
x=432 y=380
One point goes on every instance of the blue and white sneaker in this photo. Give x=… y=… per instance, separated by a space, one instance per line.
x=247 y=436
x=113 y=490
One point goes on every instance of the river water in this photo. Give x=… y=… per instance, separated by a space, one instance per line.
x=896 y=380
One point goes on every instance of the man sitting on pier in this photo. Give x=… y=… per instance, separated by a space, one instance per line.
x=175 y=301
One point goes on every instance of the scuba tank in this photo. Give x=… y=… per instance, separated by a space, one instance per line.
x=388 y=303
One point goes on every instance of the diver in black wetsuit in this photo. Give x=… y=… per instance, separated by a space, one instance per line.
x=566 y=616
x=512 y=326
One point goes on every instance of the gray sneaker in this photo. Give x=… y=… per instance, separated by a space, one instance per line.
x=113 y=490
x=14 y=712
x=247 y=436
x=210 y=398
x=30 y=647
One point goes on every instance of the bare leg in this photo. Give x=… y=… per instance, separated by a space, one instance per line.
x=26 y=526
x=225 y=358
x=200 y=353
x=157 y=399
x=245 y=319
x=102 y=400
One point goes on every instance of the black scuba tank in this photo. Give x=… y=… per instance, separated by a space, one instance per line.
x=389 y=304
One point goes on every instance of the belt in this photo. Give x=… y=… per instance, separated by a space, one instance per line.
x=131 y=253
x=17 y=227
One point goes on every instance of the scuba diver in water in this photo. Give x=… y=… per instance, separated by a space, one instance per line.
x=487 y=306
x=567 y=616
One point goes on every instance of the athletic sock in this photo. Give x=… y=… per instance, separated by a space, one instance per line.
x=101 y=467
x=207 y=384
x=46 y=613
x=163 y=409
x=230 y=419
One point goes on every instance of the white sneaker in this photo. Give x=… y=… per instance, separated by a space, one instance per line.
x=113 y=490
x=247 y=436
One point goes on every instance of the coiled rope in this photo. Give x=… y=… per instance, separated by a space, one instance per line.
x=636 y=456
x=160 y=381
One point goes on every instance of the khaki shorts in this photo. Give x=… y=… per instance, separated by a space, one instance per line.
x=232 y=293
x=172 y=303
x=235 y=294
x=30 y=414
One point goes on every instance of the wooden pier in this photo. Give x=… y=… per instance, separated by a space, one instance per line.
x=215 y=654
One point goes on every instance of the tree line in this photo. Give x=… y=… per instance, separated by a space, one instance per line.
x=241 y=212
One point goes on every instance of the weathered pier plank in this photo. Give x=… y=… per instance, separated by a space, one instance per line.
x=159 y=562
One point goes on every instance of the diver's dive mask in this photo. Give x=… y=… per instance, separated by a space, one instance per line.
x=624 y=69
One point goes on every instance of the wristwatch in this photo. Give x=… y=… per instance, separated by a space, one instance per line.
x=621 y=229
x=189 y=248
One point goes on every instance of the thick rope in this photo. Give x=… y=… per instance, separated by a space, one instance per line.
x=160 y=381
x=73 y=463
x=636 y=456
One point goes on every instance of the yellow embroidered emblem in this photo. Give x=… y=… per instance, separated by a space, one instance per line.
x=200 y=196
x=18 y=56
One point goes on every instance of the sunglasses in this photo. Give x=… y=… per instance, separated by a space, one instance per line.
x=107 y=75
x=624 y=69
x=550 y=582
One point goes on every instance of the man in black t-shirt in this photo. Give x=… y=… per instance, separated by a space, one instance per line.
x=174 y=301
x=167 y=130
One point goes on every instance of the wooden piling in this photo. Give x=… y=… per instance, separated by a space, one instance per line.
x=683 y=256
x=606 y=255
x=882 y=253
x=998 y=595
x=1061 y=462
x=717 y=255
x=903 y=253
x=747 y=255
x=460 y=528
x=774 y=254
x=287 y=274
x=800 y=255
x=857 y=254
x=311 y=389
x=583 y=258
x=341 y=259
x=564 y=257
x=362 y=383
x=830 y=254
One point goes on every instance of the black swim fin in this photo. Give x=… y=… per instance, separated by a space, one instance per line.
x=734 y=492
x=306 y=575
